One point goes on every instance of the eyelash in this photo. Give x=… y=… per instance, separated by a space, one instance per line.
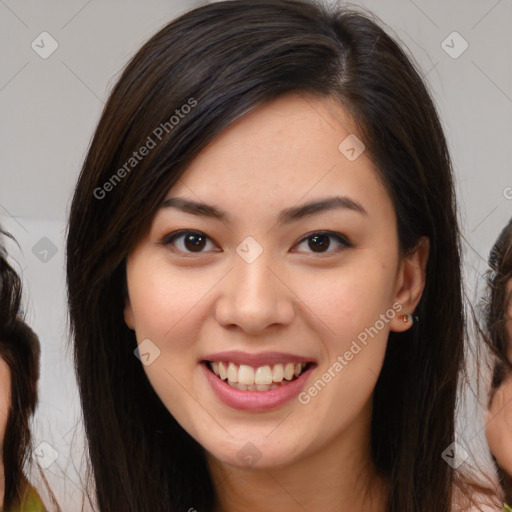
x=342 y=239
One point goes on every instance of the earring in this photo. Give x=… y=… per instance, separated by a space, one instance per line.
x=405 y=318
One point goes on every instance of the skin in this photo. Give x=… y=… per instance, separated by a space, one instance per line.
x=499 y=416
x=290 y=299
x=5 y=394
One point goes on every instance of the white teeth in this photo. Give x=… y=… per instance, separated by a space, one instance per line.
x=263 y=375
x=232 y=372
x=246 y=375
x=222 y=371
x=288 y=371
x=278 y=373
x=263 y=378
x=255 y=387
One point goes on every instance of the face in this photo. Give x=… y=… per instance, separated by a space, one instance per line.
x=291 y=307
x=5 y=397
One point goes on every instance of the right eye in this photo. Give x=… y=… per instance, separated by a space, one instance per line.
x=187 y=241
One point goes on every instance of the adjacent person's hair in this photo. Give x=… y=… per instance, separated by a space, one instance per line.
x=19 y=347
x=230 y=57
x=497 y=303
x=498 y=276
x=10 y=288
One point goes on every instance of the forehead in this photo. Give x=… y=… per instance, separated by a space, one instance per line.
x=281 y=151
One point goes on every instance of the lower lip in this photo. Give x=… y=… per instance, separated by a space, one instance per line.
x=256 y=400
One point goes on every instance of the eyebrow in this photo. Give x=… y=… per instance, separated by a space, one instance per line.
x=286 y=216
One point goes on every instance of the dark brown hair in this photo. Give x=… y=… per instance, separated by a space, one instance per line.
x=495 y=304
x=10 y=288
x=19 y=347
x=230 y=57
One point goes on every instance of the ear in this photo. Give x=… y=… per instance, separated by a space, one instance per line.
x=411 y=278
x=128 y=314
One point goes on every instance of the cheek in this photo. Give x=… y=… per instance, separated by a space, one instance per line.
x=352 y=312
x=344 y=302
x=169 y=307
x=164 y=299
x=499 y=427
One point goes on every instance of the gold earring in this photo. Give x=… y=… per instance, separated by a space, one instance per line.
x=405 y=318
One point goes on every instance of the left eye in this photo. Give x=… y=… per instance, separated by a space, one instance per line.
x=319 y=240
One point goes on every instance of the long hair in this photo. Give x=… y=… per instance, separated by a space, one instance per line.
x=224 y=60
x=10 y=288
x=19 y=347
x=495 y=335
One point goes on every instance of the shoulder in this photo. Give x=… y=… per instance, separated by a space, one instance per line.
x=31 y=501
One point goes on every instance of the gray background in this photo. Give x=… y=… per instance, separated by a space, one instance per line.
x=50 y=107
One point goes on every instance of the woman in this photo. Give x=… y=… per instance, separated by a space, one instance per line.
x=264 y=272
x=499 y=338
x=19 y=373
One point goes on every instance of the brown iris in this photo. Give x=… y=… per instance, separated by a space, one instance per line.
x=319 y=242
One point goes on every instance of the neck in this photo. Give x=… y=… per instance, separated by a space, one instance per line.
x=340 y=477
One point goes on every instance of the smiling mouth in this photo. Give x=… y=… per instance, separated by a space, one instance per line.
x=263 y=378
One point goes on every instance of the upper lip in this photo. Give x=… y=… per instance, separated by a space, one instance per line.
x=256 y=360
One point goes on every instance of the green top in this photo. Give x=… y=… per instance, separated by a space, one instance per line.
x=31 y=502
x=507 y=508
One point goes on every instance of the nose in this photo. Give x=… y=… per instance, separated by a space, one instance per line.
x=254 y=297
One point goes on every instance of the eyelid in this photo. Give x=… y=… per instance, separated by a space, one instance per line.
x=168 y=239
x=341 y=238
